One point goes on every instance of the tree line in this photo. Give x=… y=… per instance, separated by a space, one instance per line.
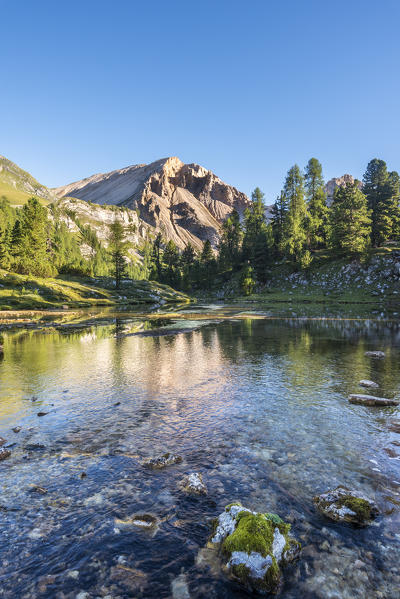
x=361 y=216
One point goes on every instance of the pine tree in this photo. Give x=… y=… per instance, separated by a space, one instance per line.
x=171 y=260
x=208 y=264
x=157 y=255
x=296 y=223
x=231 y=241
x=382 y=192
x=278 y=218
x=316 y=204
x=118 y=247
x=256 y=241
x=5 y=248
x=350 y=222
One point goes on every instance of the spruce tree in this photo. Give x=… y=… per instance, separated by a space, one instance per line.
x=295 y=230
x=118 y=247
x=256 y=246
x=231 y=241
x=382 y=191
x=350 y=221
x=278 y=217
x=316 y=204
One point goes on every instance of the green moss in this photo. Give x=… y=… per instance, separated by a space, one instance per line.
x=254 y=532
x=234 y=503
x=272 y=576
x=361 y=507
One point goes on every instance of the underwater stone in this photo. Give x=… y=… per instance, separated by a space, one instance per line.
x=4 y=453
x=371 y=384
x=193 y=484
x=370 y=400
x=254 y=546
x=345 y=505
x=167 y=459
x=375 y=354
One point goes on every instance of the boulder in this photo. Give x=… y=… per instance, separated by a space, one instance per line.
x=370 y=400
x=375 y=354
x=193 y=484
x=370 y=384
x=167 y=459
x=345 y=505
x=254 y=547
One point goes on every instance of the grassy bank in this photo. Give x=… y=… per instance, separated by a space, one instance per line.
x=25 y=292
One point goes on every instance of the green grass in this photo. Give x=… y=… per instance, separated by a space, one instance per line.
x=25 y=292
x=17 y=197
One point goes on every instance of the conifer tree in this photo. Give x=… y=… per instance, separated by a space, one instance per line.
x=295 y=230
x=382 y=191
x=256 y=248
x=278 y=217
x=350 y=222
x=316 y=204
x=118 y=247
x=231 y=241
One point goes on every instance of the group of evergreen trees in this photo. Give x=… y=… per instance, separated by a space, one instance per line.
x=35 y=240
x=301 y=223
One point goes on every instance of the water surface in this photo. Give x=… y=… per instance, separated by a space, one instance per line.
x=258 y=406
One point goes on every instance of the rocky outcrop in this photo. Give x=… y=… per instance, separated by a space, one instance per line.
x=254 y=547
x=332 y=184
x=186 y=202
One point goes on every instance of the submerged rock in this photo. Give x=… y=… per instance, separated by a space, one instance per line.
x=370 y=400
x=180 y=587
x=344 y=505
x=167 y=459
x=2 y=441
x=141 y=520
x=4 y=453
x=370 y=384
x=254 y=547
x=375 y=354
x=16 y=429
x=193 y=484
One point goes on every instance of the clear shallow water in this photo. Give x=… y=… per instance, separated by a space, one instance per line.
x=259 y=407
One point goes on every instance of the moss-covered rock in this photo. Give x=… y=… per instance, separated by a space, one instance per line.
x=254 y=546
x=344 y=505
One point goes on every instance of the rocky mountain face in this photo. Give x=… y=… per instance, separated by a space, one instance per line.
x=185 y=202
x=332 y=184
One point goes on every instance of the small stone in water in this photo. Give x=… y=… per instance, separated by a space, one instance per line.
x=37 y=489
x=375 y=354
x=371 y=384
x=42 y=413
x=344 y=505
x=370 y=400
x=193 y=484
x=4 y=453
x=2 y=441
x=167 y=459
x=16 y=429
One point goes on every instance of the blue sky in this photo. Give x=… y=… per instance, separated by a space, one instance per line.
x=244 y=88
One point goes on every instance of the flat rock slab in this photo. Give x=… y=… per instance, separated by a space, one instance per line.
x=370 y=384
x=375 y=354
x=370 y=400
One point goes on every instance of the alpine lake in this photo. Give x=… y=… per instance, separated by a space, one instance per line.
x=253 y=398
